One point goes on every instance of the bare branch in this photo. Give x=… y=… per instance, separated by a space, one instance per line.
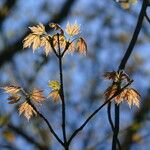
x=124 y=62
x=26 y=136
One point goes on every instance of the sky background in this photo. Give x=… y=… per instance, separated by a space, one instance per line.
x=107 y=29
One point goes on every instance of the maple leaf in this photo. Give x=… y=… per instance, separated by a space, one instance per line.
x=72 y=29
x=54 y=95
x=13 y=99
x=111 y=91
x=110 y=75
x=128 y=94
x=71 y=47
x=27 y=110
x=46 y=44
x=81 y=46
x=38 y=30
x=34 y=37
x=55 y=85
x=117 y=76
x=33 y=40
x=11 y=89
x=131 y=96
x=37 y=96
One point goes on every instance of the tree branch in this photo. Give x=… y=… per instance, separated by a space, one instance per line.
x=27 y=137
x=62 y=95
x=147 y=17
x=47 y=122
x=111 y=123
x=124 y=62
x=4 y=12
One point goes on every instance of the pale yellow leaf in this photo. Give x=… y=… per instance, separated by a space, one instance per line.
x=55 y=85
x=36 y=43
x=72 y=29
x=28 y=40
x=46 y=44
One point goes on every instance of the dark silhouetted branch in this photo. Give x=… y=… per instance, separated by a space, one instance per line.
x=28 y=138
x=124 y=62
x=5 y=10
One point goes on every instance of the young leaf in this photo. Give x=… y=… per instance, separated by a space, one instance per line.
x=46 y=44
x=54 y=95
x=38 y=30
x=72 y=29
x=13 y=99
x=132 y=97
x=12 y=89
x=27 y=110
x=81 y=46
x=34 y=37
x=55 y=85
x=37 y=96
x=117 y=76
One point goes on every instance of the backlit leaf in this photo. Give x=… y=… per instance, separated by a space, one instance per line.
x=54 y=95
x=81 y=46
x=13 y=99
x=12 y=89
x=37 y=96
x=55 y=85
x=38 y=30
x=72 y=29
x=27 y=110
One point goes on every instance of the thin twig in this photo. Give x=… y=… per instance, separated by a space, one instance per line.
x=147 y=17
x=111 y=123
x=47 y=122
